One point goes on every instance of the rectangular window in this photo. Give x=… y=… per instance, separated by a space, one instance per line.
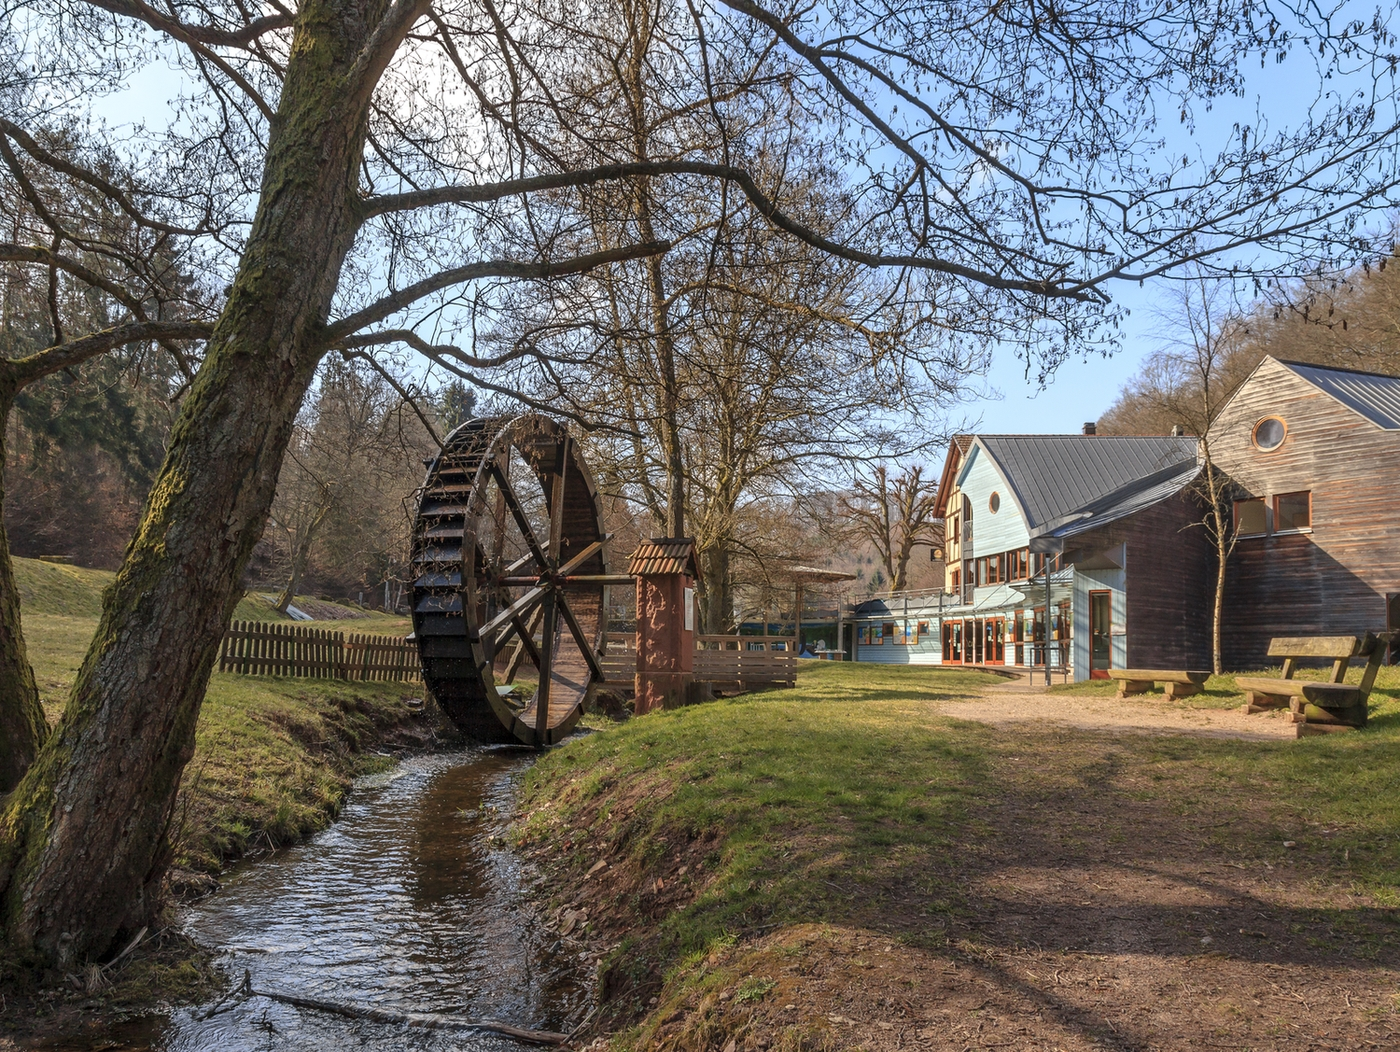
x=957 y=581
x=1251 y=517
x=1293 y=511
x=887 y=631
x=920 y=630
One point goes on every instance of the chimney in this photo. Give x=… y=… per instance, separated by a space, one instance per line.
x=1091 y=427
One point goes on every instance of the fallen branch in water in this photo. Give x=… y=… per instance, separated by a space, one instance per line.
x=427 y=1020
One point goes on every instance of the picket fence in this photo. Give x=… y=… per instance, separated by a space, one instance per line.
x=262 y=648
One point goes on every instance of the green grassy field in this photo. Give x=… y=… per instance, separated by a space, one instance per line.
x=273 y=757
x=848 y=800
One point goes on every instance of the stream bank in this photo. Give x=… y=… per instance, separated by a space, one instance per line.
x=274 y=762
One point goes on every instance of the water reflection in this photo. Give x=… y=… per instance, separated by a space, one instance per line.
x=409 y=903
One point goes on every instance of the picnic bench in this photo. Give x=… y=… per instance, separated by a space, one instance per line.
x=1325 y=706
x=1175 y=684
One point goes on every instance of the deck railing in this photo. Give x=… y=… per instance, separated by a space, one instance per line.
x=263 y=648
x=732 y=663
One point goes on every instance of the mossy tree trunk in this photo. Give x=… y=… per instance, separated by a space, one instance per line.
x=22 y=723
x=83 y=843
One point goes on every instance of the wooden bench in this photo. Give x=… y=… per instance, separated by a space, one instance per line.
x=1325 y=706
x=1140 y=681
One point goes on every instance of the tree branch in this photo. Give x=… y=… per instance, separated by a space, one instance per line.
x=73 y=352
x=499 y=268
x=760 y=201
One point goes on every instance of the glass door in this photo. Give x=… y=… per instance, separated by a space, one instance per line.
x=1100 y=634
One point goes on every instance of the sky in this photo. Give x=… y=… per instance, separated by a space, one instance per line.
x=1081 y=389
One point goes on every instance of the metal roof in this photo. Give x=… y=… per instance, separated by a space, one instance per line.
x=1057 y=479
x=1373 y=395
x=661 y=555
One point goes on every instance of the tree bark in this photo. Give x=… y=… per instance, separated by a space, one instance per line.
x=22 y=723
x=719 y=593
x=83 y=843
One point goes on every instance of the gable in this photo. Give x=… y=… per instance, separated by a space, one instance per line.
x=1056 y=477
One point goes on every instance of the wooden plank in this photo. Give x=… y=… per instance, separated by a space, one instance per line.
x=1335 y=647
x=1158 y=675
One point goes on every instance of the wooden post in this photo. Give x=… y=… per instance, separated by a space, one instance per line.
x=797 y=620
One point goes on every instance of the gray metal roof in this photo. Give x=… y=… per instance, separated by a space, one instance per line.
x=1374 y=396
x=1058 y=479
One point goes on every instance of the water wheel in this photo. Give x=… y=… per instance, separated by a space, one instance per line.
x=509 y=571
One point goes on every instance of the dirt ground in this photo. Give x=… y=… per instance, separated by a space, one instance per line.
x=1017 y=702
x=1092 y=915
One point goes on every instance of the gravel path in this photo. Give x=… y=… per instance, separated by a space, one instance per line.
x=1017 y=703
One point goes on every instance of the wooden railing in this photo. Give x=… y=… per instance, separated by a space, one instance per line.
x=262 y=648
x=732 y=663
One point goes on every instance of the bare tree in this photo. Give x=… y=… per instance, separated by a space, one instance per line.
x=1186 y=384
x=892 y=515
x=367 y=173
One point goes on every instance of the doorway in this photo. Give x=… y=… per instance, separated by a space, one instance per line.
x=1100 y=634
x=996 y=640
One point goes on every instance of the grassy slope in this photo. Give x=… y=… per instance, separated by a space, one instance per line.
x=273 y=758
x=811 y=805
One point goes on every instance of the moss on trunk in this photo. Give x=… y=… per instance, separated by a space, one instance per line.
x=22 y=724
x=83 y=840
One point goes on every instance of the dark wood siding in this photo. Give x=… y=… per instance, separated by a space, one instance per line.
x=1334 y=579
x=1168 y=579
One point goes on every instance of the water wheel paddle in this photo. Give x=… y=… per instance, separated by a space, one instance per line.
x=509 y=569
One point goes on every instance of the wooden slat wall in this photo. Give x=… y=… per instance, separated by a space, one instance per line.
x=259 y=648
x=1170 y=581
x=1334 y=580
x=725 y=661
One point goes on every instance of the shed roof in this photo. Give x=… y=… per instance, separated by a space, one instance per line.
x=1058 y=479
x=1373 y=395
x=664 y=555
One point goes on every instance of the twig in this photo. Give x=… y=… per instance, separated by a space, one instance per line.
x=427 y=1020
x=129 y=947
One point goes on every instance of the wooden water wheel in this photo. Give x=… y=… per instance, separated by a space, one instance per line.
x=509 y=570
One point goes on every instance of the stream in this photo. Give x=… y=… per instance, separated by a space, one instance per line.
x=412 y=901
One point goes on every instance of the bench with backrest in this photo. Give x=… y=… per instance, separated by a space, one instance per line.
x=1330 y=704
x=1175 y=684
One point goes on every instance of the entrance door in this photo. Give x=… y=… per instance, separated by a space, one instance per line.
x=996 y=640
x=979 y=636
x=1100 y=634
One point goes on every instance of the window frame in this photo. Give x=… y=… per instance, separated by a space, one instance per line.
x=1254 y=433
x=1277 y=530
x=1263 y=503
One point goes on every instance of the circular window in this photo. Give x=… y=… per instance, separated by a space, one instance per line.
x=1269 y=433
x=995 y=503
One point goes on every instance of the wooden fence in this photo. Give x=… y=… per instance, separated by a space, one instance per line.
x=731 y=663
x=263 y=648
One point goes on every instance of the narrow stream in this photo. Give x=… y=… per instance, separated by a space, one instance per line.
x=411 y=901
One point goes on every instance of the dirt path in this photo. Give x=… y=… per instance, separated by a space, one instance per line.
x=1019 y=703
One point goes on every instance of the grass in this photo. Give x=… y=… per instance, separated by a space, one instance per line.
x=273 y=757
x=847 y=800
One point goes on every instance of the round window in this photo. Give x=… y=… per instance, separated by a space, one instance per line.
x=1269 y=433
x=995 y=503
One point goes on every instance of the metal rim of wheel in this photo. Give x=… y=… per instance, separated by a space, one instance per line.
x=508 y=539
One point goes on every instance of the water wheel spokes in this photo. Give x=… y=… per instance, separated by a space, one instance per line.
x=530 y=595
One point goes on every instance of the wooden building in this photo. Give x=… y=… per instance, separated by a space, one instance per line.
x=1108 y=517
x=1315 y=455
